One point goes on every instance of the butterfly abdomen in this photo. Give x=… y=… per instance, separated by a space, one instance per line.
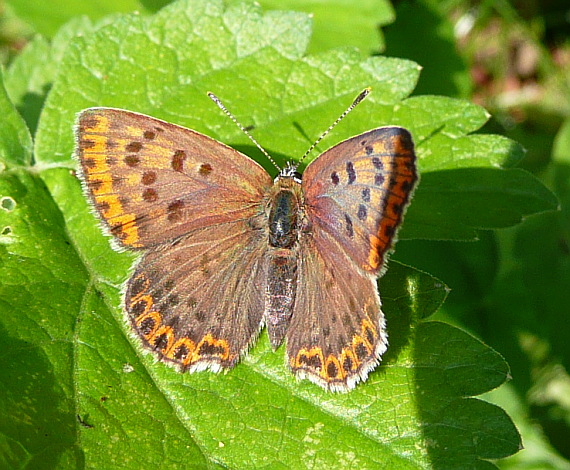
x=280 y=294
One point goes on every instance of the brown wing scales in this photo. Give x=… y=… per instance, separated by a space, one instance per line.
x=337 y=333
x=190 y=302
x=151 y=181
x=358 y=192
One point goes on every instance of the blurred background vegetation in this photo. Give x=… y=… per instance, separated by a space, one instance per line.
x=512 y=287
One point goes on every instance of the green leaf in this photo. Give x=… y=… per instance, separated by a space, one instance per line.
x=40 y=295
x=31 y=73
x=456 y=365
x=538 y=451
x=47 y=17
x=15 y=139
x=475 y=151
x=63 y=300
x=342 y=22
x=454 y=203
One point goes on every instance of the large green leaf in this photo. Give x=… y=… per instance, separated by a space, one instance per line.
x=43 y=281
x=68 y=343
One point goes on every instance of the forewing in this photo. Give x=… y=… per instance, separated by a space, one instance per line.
x=358 y=191
x=151 y=181
x=337 y=333
x=197 y=303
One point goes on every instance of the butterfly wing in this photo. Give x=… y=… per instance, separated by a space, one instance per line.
x=194 y=204
x=337 y=333
x=197 y=302
x=355 y=196
x=358 y=191
x=151 y=181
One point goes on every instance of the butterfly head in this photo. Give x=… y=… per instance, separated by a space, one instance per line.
x=290 y=171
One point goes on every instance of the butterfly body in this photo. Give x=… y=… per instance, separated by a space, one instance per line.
x=286 y=223
x=226 y=250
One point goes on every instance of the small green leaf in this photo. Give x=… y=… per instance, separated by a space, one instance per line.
x=15 y=139
x=450 y=363
x=474 y=151
x=411 y=293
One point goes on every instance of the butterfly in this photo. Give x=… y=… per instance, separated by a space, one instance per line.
x=226 y=249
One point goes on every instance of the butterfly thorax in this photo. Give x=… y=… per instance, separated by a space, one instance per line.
x=285 y=213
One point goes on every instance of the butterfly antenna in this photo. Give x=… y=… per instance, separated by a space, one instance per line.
x=216 y=100
x=356 y=101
